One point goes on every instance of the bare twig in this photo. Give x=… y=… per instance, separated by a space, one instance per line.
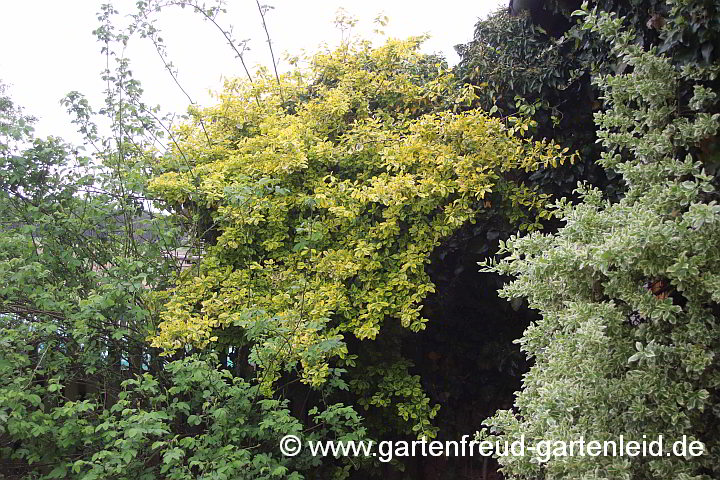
x=262 y=10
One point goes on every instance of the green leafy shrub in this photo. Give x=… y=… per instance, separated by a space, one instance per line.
x=82 y=393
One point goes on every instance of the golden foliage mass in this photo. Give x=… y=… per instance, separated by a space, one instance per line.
x=329 y=191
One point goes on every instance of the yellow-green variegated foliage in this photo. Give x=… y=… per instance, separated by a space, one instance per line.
x=327 y=194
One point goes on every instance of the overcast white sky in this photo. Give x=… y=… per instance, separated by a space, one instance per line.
x=48 y=49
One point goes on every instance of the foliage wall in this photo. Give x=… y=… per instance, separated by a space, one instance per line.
x=301 y=257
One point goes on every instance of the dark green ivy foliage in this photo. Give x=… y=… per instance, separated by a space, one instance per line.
x=521 y=68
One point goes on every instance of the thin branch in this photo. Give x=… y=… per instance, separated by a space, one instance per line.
x=272 y=54
x=168 y=66
x=47 y=347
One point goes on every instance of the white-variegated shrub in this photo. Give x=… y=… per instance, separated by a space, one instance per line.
x=628 y=292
